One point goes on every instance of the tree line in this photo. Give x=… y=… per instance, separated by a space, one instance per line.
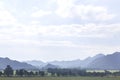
x=9 y=72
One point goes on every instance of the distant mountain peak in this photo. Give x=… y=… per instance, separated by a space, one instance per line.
x=99 y=61
x=99 y=55
x=110 y=61
x=14 y=64
x=50 y=66
x=6 y=58
x=117 y=53
x=114 y=54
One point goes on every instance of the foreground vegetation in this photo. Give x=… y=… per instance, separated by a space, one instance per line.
x=9 y=72
x=57 y=74
x=59 y=78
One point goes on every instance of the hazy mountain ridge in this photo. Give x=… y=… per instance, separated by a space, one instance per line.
x=89 y=60
x=14 y=64
x=100 y=61
x=38 y=64
x=67 y=64
x=111 y=61
x=50 y=66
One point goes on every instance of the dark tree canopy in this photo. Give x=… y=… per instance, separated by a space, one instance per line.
x=8 y=71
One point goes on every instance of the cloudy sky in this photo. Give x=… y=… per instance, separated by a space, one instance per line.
x=58 y=29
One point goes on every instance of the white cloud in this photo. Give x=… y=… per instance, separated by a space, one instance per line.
x=92 y=12
x=57 y=43
x=24 y=34
x=6 y=18
x=32 y=38
x=76 y=30
x=68 y=9
x=40 y=13
x=34 y=22
x=87 y=30
x=64 y=8
x=17 y=41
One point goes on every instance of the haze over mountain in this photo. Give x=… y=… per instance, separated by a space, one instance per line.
x=111 y=61
x=38 y=64
x=14 y=64
x=100 y=61
x=66 y=64
x=50 y=66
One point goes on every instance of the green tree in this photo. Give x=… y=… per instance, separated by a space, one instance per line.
x=1 y=73
x=42 y=73
x=8 y=71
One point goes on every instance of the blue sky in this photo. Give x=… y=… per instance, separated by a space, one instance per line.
x=58 y=29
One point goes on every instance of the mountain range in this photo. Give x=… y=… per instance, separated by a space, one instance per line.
x=66 y=64
x=14 y=64
x=111 y=61
x=100 y=61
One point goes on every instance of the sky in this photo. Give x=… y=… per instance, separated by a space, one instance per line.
x=50 y=30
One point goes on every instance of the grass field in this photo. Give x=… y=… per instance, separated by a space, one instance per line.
x=112 y=71
x=60 y=78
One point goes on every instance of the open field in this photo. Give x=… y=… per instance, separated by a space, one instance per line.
x=112 y=71
x=60 y=78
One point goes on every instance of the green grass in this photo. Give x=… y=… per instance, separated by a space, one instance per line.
x=60 y=78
